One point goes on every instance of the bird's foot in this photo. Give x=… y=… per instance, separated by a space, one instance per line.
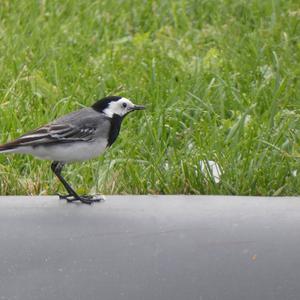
x=87 y=199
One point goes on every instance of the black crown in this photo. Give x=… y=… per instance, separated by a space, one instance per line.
x=100 y=105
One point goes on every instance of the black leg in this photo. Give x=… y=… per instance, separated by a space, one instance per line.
x=56 y=167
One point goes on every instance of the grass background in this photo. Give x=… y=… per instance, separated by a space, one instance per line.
x=220 y=79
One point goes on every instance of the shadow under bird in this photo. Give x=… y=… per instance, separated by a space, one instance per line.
x=80 y=135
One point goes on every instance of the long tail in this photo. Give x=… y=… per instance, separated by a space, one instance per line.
x=9 y=147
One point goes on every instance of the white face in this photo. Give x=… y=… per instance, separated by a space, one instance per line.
x=120 y=107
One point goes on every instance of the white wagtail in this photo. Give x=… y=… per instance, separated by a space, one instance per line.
x=80 y=135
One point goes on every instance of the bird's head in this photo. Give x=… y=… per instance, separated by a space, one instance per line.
x=116 y=105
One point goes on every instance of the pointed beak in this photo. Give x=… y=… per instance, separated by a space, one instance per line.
x=138 y=107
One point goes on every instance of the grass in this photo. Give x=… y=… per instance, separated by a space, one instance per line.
x=221 y=80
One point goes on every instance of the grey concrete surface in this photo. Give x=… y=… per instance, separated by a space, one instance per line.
x=150 y=247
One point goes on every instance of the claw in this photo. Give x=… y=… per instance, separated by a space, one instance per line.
x=86 y=199
x=89 y=199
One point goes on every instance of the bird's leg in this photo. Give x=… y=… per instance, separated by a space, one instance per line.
x=56 y=167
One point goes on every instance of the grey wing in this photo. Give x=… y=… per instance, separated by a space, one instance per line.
x=50 y=134
x=84 y=125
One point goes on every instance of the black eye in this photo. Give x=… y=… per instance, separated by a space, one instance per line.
x=124 y=104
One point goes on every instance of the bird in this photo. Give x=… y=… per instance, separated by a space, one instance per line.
x=78 y=136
